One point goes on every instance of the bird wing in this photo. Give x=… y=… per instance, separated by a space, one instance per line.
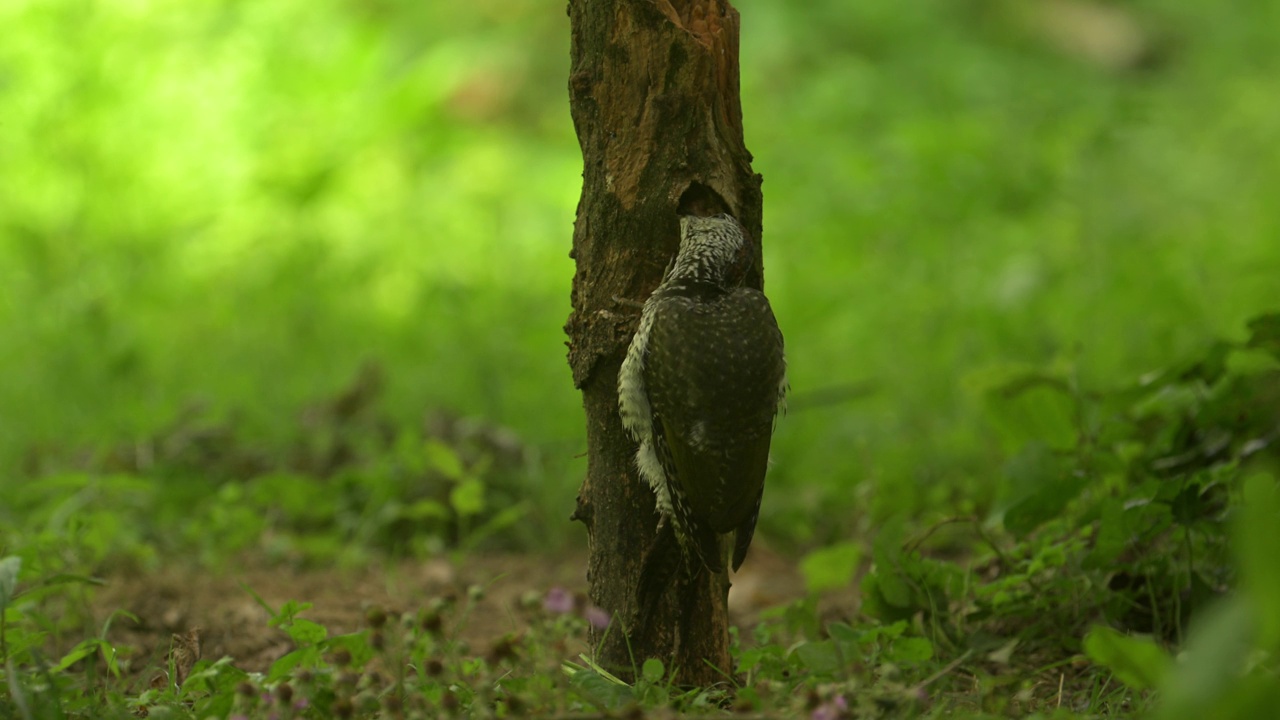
x=713 y=372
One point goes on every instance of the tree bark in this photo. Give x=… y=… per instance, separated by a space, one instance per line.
x=653 y=91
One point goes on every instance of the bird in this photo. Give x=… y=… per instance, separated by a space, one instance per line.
x=699 y=391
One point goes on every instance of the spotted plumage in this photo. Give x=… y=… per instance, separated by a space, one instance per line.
x=702 y=382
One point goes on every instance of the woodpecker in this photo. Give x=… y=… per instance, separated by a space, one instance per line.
x=702 y=383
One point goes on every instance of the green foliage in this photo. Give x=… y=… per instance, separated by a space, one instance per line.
x=249 y=201
x=1137 y=662
x=830 y=567
x=1127 y=525
x=243 y=246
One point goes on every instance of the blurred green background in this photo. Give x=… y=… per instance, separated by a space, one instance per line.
x=239 y=204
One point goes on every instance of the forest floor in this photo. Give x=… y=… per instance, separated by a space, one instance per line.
x=219 y=609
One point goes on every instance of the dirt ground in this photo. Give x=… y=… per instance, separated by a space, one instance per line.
x=231 y=622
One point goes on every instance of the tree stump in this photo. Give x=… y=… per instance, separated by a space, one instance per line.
x=653 y=91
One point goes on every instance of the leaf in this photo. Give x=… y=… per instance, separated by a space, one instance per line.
x=1257 y=547
x=652 y=671
x=1217 y=648
x=355 y=643
x=1137 y=662
x=9 y=568
x=1212 y=366
x=911 y=650
x=499 y=522
x=820 y=657
x=1188 y=506
x=64 y=578
x=886 y=596
x=306 y=632
x=1265 y=333
x=1111 y=538
x=303 y=657
x=425 y=509
x=288 y=611
x=885 y=593
x=1026 y=405
x=843 y=633
x=597 y=686
x=830 y=568
x=77 y=653
x=467 y=497
x=444 y=460
x=1043 y=487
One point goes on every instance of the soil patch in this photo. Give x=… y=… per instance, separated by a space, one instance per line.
x=231 y=622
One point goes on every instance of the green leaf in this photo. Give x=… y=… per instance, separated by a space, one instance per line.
x=1216 y=651
x=306 y=632
x=1111 y=538
x=77 y=653
x=355 y=643
x=425 y=509
x=467 y=497
x=66 y=578
x=499 y=522
x=820 y=657
x=9 y=568
x=885 y=592
x=600 y=691
x=887 y=595
x=1257 y=547
x=290 y=610
x=1027 y=405
x=843 y=633
x=911 y=650
x=303 y=657
x=1043 y=486
x=652 y=671
x=1212 y=366
x=1265 y=333
x=1137 y=662
x=444 y=460
x=830 y=568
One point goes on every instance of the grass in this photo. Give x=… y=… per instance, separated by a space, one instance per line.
x=286 y=281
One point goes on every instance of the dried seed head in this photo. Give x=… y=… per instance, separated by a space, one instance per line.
x=430 y=622
x=376 y=617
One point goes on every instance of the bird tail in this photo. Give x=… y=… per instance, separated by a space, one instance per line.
x=660 y=566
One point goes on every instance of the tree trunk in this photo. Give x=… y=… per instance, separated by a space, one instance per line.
x=654 y=95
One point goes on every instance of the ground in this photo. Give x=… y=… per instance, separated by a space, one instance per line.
x=231 y=623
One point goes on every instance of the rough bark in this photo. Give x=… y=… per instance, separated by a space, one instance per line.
x=654 y=97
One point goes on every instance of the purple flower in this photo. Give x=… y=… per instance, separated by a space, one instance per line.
x=832 y=710
x=558 y=601
x=598 y=617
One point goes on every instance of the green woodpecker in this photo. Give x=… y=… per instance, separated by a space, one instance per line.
x=703 y=381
